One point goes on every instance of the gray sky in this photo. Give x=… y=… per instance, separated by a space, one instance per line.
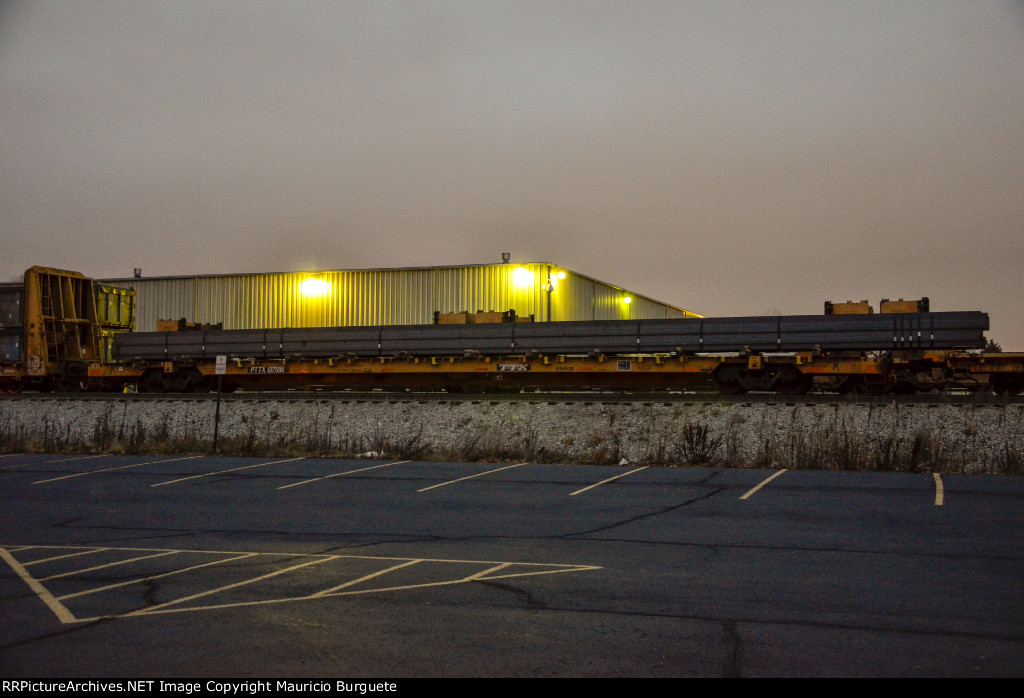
x=732 y=158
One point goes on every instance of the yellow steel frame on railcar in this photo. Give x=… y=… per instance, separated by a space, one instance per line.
x=60 y=320
x=646 y=369
x=1008 y=362
x=555 y=371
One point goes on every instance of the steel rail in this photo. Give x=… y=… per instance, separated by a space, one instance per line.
x=674 y=397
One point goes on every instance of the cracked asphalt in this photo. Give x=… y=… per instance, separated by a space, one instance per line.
x=119 y=566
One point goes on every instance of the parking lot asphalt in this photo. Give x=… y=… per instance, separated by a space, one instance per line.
x=395 y=568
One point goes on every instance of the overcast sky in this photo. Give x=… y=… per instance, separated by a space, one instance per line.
x=732 y=158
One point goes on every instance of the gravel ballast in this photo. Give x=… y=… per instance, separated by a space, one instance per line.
x=914 y=437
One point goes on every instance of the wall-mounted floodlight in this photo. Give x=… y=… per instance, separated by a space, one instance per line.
x=314 y=288
x=522 y=276
x=560 y=275
x=505 y=256
x=627 y=300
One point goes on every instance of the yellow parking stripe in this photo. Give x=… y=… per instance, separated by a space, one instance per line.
x=61 y=557
x=157 y=576
x=231 y=586
x=763 y=483
x=120 y=467
x=364 y=578
x=347 y=472
x=62 y=613
x=470 y=477
x=109 y=564
x=939 y=492
x=590 y=487
x=229 y=470
x=47 y=462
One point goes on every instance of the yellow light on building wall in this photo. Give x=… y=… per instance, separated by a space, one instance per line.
x=627 y=300
x=522 y=276
x=560 y=275
x=314 y=288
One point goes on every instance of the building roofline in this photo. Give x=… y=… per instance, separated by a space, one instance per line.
x=181 y=277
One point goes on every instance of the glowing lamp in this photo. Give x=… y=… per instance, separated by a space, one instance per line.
x=313 y=288
x=522 y=276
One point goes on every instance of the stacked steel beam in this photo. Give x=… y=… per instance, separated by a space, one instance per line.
x=896 y=331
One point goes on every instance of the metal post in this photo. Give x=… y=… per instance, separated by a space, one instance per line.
x=548 y=288
x=216 y=416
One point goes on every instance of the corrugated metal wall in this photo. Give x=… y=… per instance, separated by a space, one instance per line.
x=579 y=297
x=383 y=297
x=157 y=299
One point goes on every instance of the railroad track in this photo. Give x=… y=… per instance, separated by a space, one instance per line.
x=536 y=397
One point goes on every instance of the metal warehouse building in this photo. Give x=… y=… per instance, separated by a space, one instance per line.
x=408 y=296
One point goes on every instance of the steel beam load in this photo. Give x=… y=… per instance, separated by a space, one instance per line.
x=897 y=331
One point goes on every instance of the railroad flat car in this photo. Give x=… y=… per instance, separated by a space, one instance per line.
x=62 y=331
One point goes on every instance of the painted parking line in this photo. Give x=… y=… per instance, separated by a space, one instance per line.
x=150 y=609
x=59 y=610
x=763 y=483
x=91 y=551
x=596 y=484
x=347 y=472
x=72 y=573
x=119 y=467
x=483 y=575
x=47 y=462
x=345 y=575
x=229 y=470
x=470 y=477
x=157 y=576
x=939 y=491
x=476 y=576
x=366 y=578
